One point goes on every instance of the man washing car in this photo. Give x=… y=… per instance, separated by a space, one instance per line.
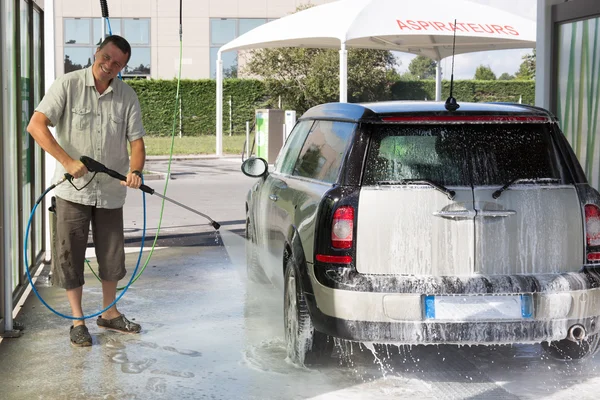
x=95 y=114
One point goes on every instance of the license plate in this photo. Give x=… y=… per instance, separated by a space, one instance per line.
x=478 y=308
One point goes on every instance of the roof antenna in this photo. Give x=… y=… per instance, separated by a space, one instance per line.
x=451 y=104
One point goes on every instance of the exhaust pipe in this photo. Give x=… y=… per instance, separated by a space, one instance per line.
x=576 y=333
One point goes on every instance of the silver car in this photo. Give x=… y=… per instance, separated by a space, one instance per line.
x=405 y=223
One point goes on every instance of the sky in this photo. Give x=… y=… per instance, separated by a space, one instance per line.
x=499 y=61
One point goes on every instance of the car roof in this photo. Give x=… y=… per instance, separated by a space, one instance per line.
x=374 y=112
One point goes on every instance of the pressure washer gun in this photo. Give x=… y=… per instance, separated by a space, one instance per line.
x=94 y=166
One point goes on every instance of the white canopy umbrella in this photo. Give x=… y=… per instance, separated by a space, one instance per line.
x=424 y=27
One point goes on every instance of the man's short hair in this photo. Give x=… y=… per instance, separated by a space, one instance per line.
x=118 y=41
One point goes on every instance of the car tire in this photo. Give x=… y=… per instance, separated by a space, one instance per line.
x=305 y=345
x=254 y=270
x=568 y=350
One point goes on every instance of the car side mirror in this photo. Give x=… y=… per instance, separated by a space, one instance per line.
x=255 y=167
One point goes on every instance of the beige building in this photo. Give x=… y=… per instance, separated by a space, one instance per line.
x=152 y=28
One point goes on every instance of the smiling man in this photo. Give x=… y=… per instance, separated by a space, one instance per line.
x=95 y=114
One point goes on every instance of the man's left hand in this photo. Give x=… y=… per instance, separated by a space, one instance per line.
x=133 y=181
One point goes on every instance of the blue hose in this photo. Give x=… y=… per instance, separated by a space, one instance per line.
x=104 y=7
x=29 y=274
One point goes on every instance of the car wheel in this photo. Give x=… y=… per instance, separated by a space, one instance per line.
x=569 y=350
x=305 y=345
x=253 y=268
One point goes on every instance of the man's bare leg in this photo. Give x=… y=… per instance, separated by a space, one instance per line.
x=74 y=296
x=109 y=294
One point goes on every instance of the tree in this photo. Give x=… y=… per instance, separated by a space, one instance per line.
x=506 y=77
x=231 y=72
x=527 y=68
x=306 y=77
x=70 y=66
x=408 y=77
x=422 y=67
x=484 y=73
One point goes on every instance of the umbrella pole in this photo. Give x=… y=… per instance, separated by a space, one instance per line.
x=219 y=127
x=438 y=80
x=343 y=74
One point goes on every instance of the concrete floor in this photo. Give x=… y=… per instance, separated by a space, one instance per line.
x=180 y=342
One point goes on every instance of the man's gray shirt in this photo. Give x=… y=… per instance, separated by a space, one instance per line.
x=97 y=126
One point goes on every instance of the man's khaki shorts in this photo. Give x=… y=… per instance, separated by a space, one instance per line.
x=72 y=230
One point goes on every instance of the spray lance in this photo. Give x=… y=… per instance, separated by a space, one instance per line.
x=95 y=166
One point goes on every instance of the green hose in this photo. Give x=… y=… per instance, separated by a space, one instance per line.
x=168 y=168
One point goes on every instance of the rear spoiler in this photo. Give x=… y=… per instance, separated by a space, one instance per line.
x=471 y=119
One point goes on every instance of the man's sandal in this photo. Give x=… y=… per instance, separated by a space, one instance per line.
x=80 y=336
x=119 y=324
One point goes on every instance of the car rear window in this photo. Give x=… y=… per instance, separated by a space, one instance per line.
x=461 y=155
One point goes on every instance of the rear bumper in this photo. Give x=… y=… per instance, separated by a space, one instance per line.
x=364 y=308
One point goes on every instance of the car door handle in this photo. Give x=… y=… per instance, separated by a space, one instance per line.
x=461 y=214
x=495 y=213
x=273 y=197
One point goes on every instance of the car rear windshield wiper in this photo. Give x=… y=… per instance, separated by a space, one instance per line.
x=498 y=192
x=437 y=186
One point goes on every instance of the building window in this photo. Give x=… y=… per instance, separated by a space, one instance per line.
x=223 y=31
x=82 y=36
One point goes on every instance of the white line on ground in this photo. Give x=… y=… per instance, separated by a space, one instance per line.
x=90 y=252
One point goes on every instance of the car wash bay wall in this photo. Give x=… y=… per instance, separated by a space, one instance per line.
x=575 y=84
x=21 y=175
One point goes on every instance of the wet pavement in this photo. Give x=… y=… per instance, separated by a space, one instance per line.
x=208 y=333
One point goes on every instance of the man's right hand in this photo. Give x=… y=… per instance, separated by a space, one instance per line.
x=75 y=168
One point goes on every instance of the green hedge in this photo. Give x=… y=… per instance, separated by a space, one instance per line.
x=157 y=99
x=468 y=91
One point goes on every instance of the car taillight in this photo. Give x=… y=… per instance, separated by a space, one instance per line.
x=592 y=225
x=592 y=231
x=342 y=228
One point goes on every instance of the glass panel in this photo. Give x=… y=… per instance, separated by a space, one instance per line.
x=222 y=30
x=78 y=58
x=322 y=153
x=9 y=245
x=290 y=150
x=247 y=24
x=26 y=147
x=97 y=25
x=137 y=31
x=230 y=63
x=37 y=58
x=38 y=152
x=139 y=63
x=113 y=26
x=77 y=31
x=578 y=107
